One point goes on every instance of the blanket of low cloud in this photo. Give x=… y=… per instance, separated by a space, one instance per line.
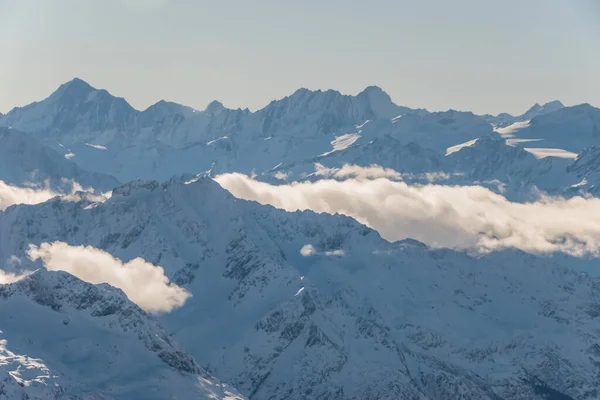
x=144 y=283
x=463 y=217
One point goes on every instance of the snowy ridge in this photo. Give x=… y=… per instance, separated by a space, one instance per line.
x=91 y=342
x=487 y=161
x=167 y=139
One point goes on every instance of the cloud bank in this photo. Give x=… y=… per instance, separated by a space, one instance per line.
x=145 y=284
x=463 y=217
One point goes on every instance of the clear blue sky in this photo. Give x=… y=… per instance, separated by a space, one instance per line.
x=480 y=55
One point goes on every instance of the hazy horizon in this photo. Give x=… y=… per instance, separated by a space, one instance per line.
x=484 y=57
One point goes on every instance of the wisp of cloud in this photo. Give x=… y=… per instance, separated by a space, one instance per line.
x=145 y=284
x=9 y=277
x=462 y=217
x=10 y=195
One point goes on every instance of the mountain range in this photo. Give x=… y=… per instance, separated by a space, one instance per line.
x=286 y=305
x=104 y=134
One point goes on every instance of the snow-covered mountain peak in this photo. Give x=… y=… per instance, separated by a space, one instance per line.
x=505 y=119
x=373 y=90
x=380 y=102
x=214 y=107
x=75 y=87
x=553 y=105
x=156 y=112
x=77 y=92
x=537 y=110
x=63 y=338
x=74 y=108
x=57 y=290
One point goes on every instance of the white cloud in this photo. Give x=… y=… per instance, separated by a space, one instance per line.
x=145 y=284
x=10 y=195
x=308 y=250
x=465 y=217
x=374 y=171
x=8 y=277
x=357 y=172
x=35 y=194
x=282 y=176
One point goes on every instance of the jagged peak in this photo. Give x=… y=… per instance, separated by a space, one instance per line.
x=79 y=83
x=61 y=285
x=214 y=107
x=553 y=104
x=373 y=90
x=534 y=108
x=79 y=91
x=303 y=93
x=547 y=108
x=75 y=87
x=164 y=107
x=140 y=186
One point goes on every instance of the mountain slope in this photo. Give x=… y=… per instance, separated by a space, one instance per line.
x=570 y=128
x=63 y=338
x=440 y=130
x=490 y=161
x=349 y=317
x=486 y=161
x=23 y=160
